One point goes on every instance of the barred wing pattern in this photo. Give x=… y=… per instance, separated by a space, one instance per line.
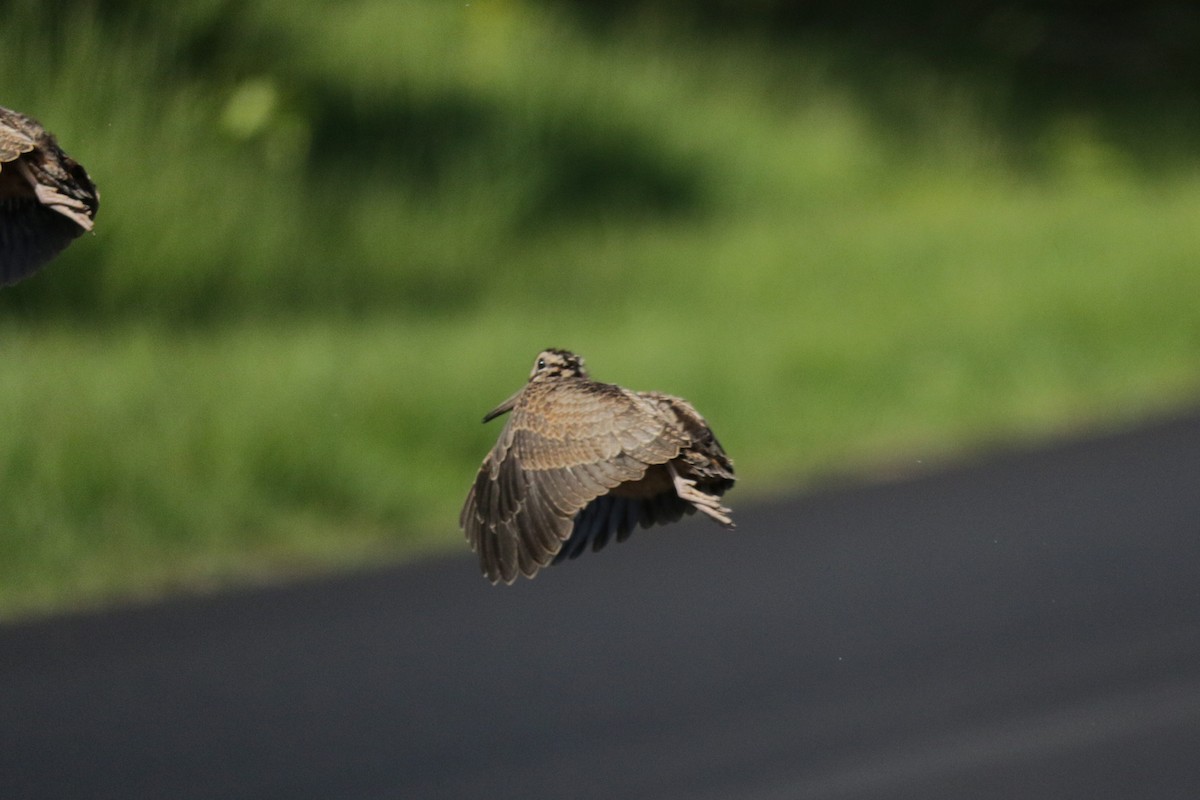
x=654 y=500
x=551 y=462
x=704 y=460
x=14 y=140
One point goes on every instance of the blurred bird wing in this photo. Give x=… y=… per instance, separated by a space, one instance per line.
x=30 y=236
x=57 y=180
x=48 y=198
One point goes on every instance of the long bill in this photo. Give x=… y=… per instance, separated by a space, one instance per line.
x=503 y=408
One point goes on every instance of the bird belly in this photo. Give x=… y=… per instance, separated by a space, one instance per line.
x=12 y=183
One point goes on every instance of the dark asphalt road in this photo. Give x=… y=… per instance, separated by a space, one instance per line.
x=1028 y=627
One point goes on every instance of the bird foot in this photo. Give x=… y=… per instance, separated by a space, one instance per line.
x=72 y=208
x=706 y=504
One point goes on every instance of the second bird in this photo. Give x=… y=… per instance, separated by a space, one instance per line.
x=580 y=461
x=46 y=197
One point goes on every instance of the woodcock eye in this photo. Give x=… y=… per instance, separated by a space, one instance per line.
x=541 y=363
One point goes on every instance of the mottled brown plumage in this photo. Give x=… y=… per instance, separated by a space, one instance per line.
x=579 y=461
x=46 y=197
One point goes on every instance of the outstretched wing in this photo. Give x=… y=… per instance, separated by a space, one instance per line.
x=553 y=459
x=31 y=235
x=654 y=499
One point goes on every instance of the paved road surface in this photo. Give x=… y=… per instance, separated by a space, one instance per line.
x=1024 y=628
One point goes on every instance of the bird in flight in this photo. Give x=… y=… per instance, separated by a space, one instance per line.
x=46 y=197
x=580 y=461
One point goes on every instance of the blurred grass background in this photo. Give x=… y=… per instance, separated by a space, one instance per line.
x=334 y=234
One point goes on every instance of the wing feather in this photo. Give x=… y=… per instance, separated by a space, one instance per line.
x=15 y=140
x=546 y=490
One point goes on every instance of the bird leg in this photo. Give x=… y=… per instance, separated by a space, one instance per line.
x=70 y=207
x=707 y=504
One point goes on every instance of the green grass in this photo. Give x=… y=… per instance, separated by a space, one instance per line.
x=334 y=238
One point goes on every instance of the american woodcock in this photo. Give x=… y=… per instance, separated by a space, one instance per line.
x=579 y=461
x=46 y=197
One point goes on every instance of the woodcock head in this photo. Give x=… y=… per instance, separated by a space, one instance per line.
x=580 y=462
x=552 y=364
